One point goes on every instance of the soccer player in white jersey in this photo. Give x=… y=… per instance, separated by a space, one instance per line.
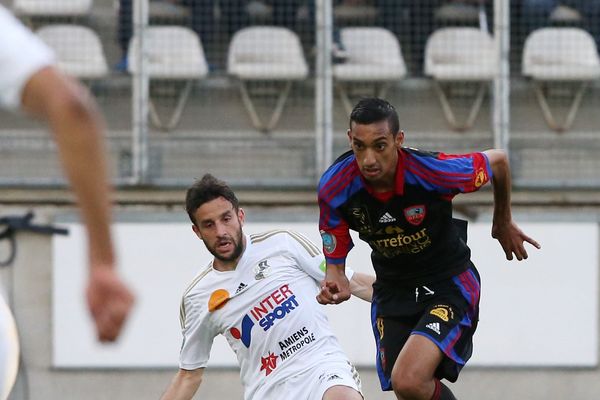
x=259 y=292
x=30 y=82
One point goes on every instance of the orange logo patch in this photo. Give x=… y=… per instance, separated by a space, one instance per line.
x=480 y=178
x=218 y=298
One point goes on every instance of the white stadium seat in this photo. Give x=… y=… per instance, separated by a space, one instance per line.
x=381 y=65
x=174 y=53
x=52 y=7
x=78 y=50
x=553 y=55
x=461 y=54
x=268 y=54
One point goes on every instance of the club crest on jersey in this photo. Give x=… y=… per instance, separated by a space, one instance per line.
x=415 y=214
x=262 y=270
x=277 y=305
x=480 y=178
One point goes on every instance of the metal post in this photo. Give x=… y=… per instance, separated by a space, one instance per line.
x=140 y=96
x=501 y=116
x=324 y=85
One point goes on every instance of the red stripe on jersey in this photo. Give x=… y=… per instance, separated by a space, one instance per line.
x=444 y=156
x=479 y=164
x=342 y=239
x=442 y=175
x=338 y=182
x=428 y=176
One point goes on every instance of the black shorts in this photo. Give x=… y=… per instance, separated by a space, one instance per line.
x=445 y=312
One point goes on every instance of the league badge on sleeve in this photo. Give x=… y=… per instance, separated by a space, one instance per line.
x=415 y=214
x=329 y=242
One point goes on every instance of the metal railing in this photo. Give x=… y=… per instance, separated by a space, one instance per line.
x=300 y=65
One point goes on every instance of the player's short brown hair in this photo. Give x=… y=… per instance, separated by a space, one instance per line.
x=207 y=189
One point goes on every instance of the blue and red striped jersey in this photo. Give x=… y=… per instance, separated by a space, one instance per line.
x=410 y=231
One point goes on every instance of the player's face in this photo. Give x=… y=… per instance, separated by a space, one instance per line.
x=219 y=226
x=376 y=151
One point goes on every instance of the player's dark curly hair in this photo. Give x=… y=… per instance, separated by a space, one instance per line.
x=372 y=109
x=207 y=189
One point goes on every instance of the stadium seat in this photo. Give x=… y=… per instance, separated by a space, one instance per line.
x=266 y=54
x=78 y=50
x=380 y=65
x=460 y=54
x=174 y=53
x=560 y=55
x=36 y=8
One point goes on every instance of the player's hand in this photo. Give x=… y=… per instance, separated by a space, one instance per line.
x=109 y=301
x=512 y=240
x=334 y=289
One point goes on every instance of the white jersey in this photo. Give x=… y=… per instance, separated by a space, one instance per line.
x=9 y=350
x=22 y=54
x=266 y=309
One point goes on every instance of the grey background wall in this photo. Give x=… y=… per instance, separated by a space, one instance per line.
x=30 y=287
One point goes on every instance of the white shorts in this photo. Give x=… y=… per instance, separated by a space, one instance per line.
x=9 y=350
x=312 y=384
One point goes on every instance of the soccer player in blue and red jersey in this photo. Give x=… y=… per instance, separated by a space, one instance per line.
x=426 y=295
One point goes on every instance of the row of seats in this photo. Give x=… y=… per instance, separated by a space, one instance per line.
x=263 y=53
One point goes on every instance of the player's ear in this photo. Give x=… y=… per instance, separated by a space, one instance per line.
x=196 y=231
x=349 y=133
x=241 y=216
x=399 y=138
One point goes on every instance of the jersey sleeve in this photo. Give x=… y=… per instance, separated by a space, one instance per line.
x=335 y=233
x=448 y=174
x=198 y=335
x=22 y=54
x=309 y=257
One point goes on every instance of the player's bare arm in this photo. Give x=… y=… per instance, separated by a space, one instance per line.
x=335 y=288
x=361 y=286
x=184 y=385
x=510 y=236
x=77 y=128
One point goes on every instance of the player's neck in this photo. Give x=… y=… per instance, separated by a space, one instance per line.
x=224 y=266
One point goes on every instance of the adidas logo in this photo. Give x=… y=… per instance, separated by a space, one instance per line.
x=434 y=326
x=241 y=287
x=385 y=218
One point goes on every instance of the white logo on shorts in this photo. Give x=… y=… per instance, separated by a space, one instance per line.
x=434 y=326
